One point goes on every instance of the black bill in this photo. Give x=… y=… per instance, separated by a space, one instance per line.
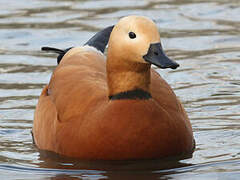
x=156 y=56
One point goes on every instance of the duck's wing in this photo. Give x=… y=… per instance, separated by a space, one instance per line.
x=44 y=117
x=76 y=84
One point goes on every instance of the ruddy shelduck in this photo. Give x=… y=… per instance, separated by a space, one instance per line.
x=115 y=107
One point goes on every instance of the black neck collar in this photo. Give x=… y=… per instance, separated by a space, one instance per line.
x=133 y=94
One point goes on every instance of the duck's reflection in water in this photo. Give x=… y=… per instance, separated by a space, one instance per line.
x=69 y=168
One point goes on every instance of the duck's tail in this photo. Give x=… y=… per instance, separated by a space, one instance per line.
x=58 y=51
x=98 y=41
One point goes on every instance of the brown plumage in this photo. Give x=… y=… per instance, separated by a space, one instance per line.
x=76 y=116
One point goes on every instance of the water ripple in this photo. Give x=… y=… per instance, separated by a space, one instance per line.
x=202 y=36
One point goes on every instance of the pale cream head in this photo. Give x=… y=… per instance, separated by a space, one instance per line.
x=133 y=46
x=133 y=49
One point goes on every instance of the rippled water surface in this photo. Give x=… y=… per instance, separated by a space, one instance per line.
x=202 y=36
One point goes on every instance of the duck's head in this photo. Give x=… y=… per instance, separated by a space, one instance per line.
x=136 y=38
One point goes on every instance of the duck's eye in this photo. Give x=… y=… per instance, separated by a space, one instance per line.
x=132 y=35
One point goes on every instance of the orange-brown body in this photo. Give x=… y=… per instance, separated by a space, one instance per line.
x=76 y=118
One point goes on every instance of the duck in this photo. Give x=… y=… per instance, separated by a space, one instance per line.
x=113 y=106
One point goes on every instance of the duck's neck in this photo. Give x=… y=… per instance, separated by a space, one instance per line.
x=128 y=80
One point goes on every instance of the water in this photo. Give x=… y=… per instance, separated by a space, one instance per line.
x=202 y=36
